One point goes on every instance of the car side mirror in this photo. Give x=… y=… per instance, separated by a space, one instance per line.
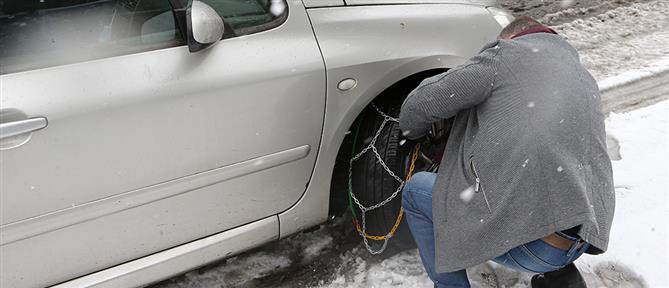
x=205 y=27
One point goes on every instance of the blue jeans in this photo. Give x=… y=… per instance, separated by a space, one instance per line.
x=534 y=257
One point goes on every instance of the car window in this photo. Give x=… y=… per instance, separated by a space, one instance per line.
x=39 y=34
x=250 y=16
x=36 y=34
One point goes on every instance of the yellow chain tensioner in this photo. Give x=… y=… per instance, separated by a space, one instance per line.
x=414 y=156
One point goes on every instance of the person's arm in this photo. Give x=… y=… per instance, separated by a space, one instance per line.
x=443 y=95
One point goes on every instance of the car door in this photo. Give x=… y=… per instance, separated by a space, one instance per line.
x=118 y=142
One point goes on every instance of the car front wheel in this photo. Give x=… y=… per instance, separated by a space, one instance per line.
x=380 y=161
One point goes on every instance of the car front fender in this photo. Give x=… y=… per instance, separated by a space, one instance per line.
x=378 y=46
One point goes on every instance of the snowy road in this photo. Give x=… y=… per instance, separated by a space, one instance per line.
x=612 y=37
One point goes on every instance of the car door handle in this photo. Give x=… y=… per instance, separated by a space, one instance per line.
x=14 y=128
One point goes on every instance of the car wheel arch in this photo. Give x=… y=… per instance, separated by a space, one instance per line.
x=338 y=186
x=312 y=208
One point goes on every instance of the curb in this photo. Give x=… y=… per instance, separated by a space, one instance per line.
x=636 y=88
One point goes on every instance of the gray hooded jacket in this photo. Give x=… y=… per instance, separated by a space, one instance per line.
x=528 y=136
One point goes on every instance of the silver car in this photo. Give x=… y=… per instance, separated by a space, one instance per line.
x=135 y=145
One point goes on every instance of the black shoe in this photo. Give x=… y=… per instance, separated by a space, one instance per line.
x=565 y=277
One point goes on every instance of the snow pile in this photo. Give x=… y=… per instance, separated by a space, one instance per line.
x=628 y=37
x=578 y=9
x=653 y=69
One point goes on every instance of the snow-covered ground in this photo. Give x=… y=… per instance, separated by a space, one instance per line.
x=639 y=237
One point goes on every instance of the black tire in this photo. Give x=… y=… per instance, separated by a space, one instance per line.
x=372 y=183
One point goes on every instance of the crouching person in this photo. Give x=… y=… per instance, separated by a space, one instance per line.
x=525 y=179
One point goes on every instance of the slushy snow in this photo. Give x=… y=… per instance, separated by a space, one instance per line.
x=630 y=37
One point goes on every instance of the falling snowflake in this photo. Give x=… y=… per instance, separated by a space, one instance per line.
x=467 y=194
x=277 y=7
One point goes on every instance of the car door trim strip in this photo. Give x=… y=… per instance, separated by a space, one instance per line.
x=182 y=258
x=31 y=227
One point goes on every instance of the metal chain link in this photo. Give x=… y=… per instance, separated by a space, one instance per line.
x=363 y=209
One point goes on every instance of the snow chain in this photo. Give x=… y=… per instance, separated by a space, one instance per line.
x=362 y=228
